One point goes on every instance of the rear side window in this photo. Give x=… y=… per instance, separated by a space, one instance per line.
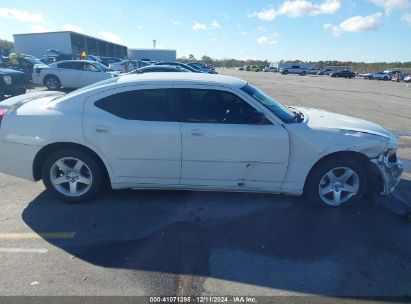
x=68 y=65
x=213 y=106
x=148 y=105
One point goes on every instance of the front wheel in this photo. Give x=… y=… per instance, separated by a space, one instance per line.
x=72 y=175
x=336 y=183
x=52 y=83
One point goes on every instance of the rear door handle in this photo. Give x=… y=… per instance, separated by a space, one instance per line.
x=197 y=132
x=102 y=129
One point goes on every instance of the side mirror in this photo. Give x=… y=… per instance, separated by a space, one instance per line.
x=256 y=118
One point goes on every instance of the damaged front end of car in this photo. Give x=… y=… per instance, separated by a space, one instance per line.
x=389 y=169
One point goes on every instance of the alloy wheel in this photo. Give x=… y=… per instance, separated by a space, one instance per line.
x=338 y=185
x=71 y=177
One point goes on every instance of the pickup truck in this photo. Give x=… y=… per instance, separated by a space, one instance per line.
x=12 y=82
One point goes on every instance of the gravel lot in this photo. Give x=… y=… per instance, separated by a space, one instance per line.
x=199 y=243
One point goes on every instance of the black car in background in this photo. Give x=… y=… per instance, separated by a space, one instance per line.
x=187 y=67
x=12 y=82
x=344 y=74
x=202 y=67
x=159 y=68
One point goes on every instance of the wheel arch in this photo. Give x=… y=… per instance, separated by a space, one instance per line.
x=50 y=75
x=362 y=158
x=50 y=148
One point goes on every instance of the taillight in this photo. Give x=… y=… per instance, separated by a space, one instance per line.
x=2 y=112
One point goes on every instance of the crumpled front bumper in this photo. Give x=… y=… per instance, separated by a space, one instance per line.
x=390 y=171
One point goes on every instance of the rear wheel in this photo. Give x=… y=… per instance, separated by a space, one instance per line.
x=285 y=72
x=52 y=83
x=72 y=175
x=303 y=73
x=336 y=183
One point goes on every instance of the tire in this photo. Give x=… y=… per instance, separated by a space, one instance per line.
x=385 y=78
x=285 y=72
x=370 y=78
x=19 y=92
x=350 y=192
x=52 y=83
x=303 y=73
x=70 y=183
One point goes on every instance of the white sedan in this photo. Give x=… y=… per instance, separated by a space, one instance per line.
x=71 y=74
x=127 y=66
x=380 y=76
x=192 y=131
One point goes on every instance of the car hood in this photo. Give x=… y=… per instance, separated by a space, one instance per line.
x=328 y=120
x=10 y=72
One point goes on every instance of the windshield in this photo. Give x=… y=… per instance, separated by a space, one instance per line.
x=101 y=66
x=274 y=106
x=33 y=60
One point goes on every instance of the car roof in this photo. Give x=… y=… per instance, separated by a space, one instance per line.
x=88 y=61
x=191 y=78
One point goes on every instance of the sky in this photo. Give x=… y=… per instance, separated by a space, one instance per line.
x=349 y=30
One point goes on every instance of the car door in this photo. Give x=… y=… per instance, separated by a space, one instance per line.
x=221 y=149
x=134 y=127
x=67 y=72
x=91 y=74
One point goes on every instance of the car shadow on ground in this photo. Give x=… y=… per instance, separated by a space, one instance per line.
x=265 y=240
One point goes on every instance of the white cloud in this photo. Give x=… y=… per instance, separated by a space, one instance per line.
x=244 y=33
x=110 y=36
x=406 y=18
x=215 y=24
x=298 y=8
x=22 y=16
x=266 y=40
x=175 y=23
x=390 y=5
x=39 y=28
x=355 y=24
x=199 y=26
x=73 y=28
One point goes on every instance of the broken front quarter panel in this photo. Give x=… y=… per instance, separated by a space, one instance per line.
x=309 y=145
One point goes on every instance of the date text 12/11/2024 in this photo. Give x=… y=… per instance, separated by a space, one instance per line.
x=203 y=299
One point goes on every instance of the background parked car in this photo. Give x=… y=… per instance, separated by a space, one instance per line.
x=294 y=69
x=380 y=76
x=187 y=67
x=325 y=72
x=407 y=78
x=71 y=74
x=159 y=68
x=344 y=74
x=12 y=82
x=254 y=68
x=202 y=67
x=270 y=69
x=312 y=71
x=126 y=66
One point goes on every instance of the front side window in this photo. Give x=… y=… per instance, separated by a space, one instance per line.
x=270 y=103
x=148 y=105
x=67 y=65
x=90 y=68
x=213 y=106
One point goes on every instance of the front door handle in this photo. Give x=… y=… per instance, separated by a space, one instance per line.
x=197 y=132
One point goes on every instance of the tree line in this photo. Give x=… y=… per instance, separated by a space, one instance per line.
x=354 y=66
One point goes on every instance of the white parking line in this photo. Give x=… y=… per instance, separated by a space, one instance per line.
x=33 y=235
x=23 y=250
